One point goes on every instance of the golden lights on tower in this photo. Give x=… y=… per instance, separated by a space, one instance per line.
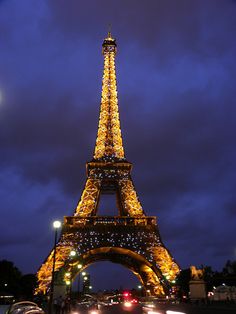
x=109 y=140
x=109 y=165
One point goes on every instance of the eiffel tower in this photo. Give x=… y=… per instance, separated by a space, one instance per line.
x=131 y=238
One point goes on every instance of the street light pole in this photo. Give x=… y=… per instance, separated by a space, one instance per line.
x=79 y=286
x=82 y=290
x=56 y=226
x=79 y=267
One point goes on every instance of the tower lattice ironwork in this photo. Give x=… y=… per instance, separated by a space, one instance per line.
x=131 y=238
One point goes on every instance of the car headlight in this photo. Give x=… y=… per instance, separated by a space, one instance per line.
x=127 y=304
x=174 y=312
x=150 y=305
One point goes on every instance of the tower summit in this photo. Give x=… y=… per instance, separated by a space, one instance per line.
x=131 y=238
x=109 y=145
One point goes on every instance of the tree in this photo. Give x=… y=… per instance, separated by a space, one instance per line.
x=182 y=282
x=14 y=283
x=210 y=277
x=27 y=286
x=230 y=268
x=9 y=278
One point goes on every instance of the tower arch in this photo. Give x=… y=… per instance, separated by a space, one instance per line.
x=149 y=276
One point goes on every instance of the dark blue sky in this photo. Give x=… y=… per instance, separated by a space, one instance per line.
x=176 y=86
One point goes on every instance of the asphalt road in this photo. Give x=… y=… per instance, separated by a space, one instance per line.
x=164 y=308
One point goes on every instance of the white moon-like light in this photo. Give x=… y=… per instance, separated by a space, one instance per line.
x=57 y=224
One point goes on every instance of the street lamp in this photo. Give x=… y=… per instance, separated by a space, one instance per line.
x=56 y=226
x=140 y=287
x=72 y=253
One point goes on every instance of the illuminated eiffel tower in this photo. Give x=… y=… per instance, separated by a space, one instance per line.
x=131 y=238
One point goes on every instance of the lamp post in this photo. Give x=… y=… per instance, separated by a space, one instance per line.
x=69 y=282
x=56 y=226
x=79 y=267
x=83 y=276
x=140 y=289
x=68 y=292
x=73 y=253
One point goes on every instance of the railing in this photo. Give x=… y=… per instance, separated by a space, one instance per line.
x=73 y=221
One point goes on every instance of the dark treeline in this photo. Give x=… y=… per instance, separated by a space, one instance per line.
x=12 y=282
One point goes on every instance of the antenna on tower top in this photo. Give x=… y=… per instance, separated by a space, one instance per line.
x=109 y=30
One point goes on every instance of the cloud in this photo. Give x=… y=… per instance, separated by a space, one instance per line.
x=176 y=85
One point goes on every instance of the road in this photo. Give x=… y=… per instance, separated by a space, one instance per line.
x=161 y=309
x=165 y=308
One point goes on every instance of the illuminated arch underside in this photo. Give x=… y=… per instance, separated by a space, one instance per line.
x=137 y=264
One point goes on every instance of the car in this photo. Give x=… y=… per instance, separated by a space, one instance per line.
x=25 y=307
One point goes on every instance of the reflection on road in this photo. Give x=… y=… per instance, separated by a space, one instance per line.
x=125 y=308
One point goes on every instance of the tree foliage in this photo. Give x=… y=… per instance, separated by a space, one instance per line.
x=14 y=283
x=9 y=278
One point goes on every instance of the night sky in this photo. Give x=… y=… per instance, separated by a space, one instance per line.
x=176 y=72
